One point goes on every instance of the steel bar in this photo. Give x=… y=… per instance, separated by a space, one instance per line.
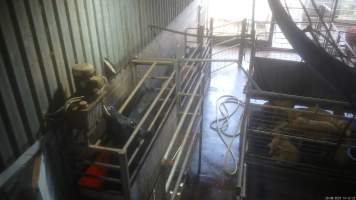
x=189 y=113
x=280 y=108
x=177 y=70
x=137 y=149
x=333 y=43
x=188 y=94
x=102 y=164
x=192 y=73
x=166 y=99
x=310 y=23
x=182 y=119
x=243 y=134
x=242 y=43
x=11 y=171
x=158 y=61
x=226 y=41
x=133 y=93
x=227 y=48
x=105 y=149
x=333 y=14
x=261 y=93
x=188 y=87
x=318 y=59
x=161 y=108
x=184 y=142
x=125 y=176
x=158 y=77
x=142 y=121
x=174 y=31
x=319 y=141
x=346 y=43
x=155 y=135
x=184 y=165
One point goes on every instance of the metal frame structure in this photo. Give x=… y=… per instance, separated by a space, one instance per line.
x=319 y=22
x=184 y=88
x=258 y=123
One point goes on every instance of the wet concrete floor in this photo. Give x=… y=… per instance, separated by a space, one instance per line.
x=213 y=183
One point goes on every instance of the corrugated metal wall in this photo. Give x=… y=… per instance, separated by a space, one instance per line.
x=41 y=39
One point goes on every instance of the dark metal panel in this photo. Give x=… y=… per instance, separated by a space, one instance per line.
x=13 y=124
x=6 y=152
x=55 y=44
x=42 y=46
x=16 y=72
x=26 y=43
x=66 y=40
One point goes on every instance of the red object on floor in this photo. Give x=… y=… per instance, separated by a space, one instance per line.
x=94 y=170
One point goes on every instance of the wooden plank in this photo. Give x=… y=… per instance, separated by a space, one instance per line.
x=67 y=42
x=55 y=44
x=42 y=46
x=9 y=112
x=100 y=28
x=83 y=24
x=106 y=21
x=16 y=73
x=73 y=23
x=93 y=32
x=30 y=57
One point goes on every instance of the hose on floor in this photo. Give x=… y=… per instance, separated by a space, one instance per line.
x=220 y=126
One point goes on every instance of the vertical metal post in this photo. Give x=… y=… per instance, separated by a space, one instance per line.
x=185 y=43
x=134 y=74
x=200 y=134
x=271 y=32
x=336 y=4
x=242 y=43
x=177 y=68
x=211 y=38
x=243 y=136
x=125 y=178
x=199 y=15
